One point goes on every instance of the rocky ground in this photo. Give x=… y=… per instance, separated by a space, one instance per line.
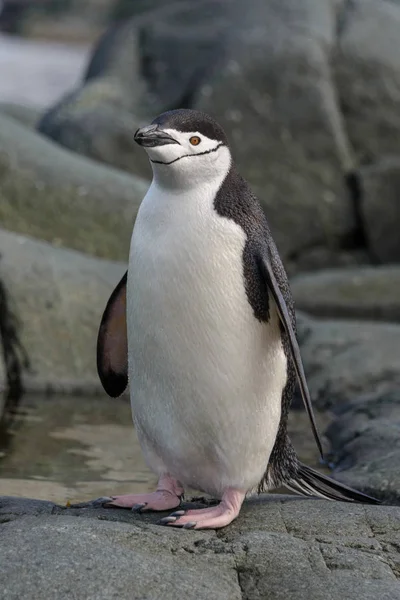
x=279 y=547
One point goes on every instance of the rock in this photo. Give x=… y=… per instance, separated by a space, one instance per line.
x=380 y=207
x=358 y=293
x=275 y=96
x=58 y=297
x=353 y=370
x=245 y=67
x=23 y=113
x=344 y=359
x=139 y=68
x=319 y=257
x=279 y=547
x=365 y=440
x=366 y=69
x=93 y=122
x=53 y=194
x=299 y=87
x=124 y=9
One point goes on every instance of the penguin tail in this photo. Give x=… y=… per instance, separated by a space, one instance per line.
x=309 y=482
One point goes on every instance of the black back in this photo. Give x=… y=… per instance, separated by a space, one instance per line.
x=236 y=201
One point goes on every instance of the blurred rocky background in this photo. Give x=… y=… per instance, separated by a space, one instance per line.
x=309 y=94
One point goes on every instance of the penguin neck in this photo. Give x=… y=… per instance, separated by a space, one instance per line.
x=200 y=172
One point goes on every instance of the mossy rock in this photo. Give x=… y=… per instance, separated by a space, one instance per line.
x=50 y=193
x=25 y=114
x=57 y=297
x=356 y=293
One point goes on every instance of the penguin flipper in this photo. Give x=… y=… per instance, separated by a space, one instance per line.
x=268 y=273
x=309 y=482
x=112 y=343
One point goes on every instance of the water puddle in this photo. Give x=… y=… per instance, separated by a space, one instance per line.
x=67 y=448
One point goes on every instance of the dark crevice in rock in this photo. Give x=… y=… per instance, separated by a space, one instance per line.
x=15 y=360
x=358 y=238
x=347 y=9
x=149 y=72
x=239 y=570
x=188 y=98
x=99 y=55
x=4 y=520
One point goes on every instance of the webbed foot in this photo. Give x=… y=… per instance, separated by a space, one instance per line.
x=213 y=517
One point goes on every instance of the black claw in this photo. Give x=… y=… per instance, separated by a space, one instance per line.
x=190 y=525
x=167 y=520
x=178 y=513
x=138 y=508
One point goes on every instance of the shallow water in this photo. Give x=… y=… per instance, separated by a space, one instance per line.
x=73 y=449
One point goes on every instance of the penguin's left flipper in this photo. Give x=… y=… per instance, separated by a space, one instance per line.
x=112 y=343
x=267 y=273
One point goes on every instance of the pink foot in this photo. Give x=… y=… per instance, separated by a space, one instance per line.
x=214 y=517
x=167 y=496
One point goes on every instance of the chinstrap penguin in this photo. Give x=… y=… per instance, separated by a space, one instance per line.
x=203 y=325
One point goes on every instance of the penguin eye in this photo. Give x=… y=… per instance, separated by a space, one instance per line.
x=195 y=140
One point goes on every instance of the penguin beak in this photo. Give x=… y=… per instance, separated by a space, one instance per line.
x=151 y=136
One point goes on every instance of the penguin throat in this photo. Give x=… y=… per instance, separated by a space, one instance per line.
x=183 y=175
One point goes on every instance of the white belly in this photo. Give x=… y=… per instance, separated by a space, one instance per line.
x=206 y=377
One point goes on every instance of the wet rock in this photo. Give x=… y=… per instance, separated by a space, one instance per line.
x=366 y=69
x=362 y=293
x=275 y=95
x=279 y=547
x=58 y=297
x=344 y=359
x=55 y=195
x=381 y=208
x=365 y=440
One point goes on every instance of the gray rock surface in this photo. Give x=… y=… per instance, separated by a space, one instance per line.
x=353 y=370
x=366 y=70
x=365 y=440
x=279 y=547
x=358 y=293
x=344 y=359
x=55 y=195
x=380 y=207
x=276 y=96
x=58 y=297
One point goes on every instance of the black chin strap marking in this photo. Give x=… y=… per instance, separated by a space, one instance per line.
x=160 y=162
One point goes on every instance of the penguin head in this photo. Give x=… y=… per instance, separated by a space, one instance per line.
x=185 y=147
